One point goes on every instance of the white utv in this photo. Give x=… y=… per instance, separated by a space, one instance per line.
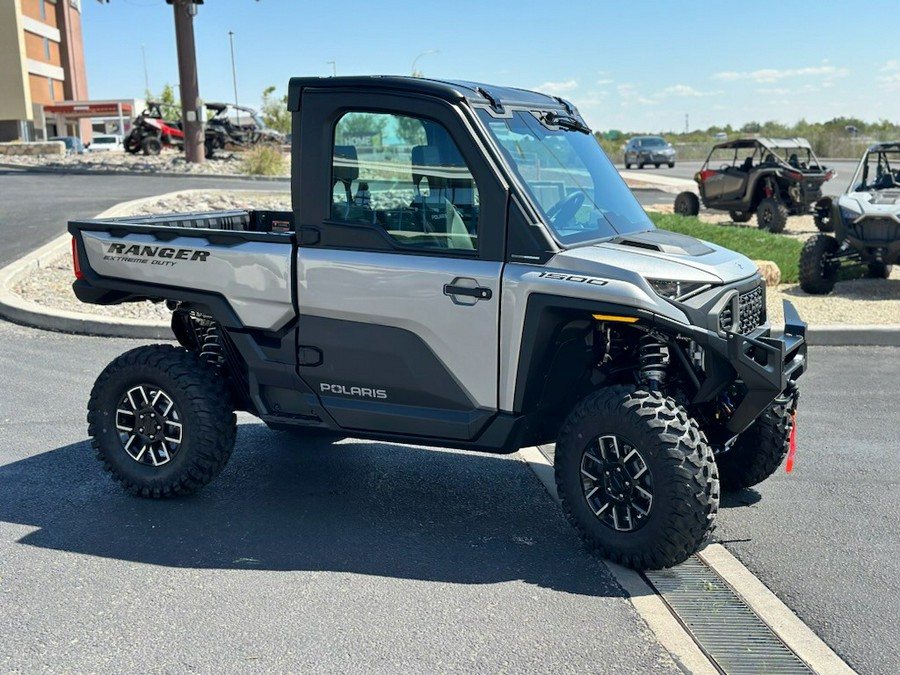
x=463 y=267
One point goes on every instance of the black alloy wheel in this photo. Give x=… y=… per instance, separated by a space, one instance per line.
x=616 y=483
x=149 y=425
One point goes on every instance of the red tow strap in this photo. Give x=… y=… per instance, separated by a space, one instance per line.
x=792 y=447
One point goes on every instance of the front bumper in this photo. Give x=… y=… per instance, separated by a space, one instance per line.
x=768 y=366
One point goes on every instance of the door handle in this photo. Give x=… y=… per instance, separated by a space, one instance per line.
x=478 y=292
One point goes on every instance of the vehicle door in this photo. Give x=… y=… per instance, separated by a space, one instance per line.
x=729 y=180
x=401 y=224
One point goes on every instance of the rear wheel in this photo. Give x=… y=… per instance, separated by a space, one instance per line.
x=161 y=421
x=880 y=270
x=636 y=478
x=818 y=269
x=687 y=204
x=758 y=451
x=771 y=215
x=627 y=165
x=671 y=165
x=151 y=145
x=132 y=144
x=740 y=216
x=656 y=165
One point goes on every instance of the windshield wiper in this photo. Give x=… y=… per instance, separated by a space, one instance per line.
x=566 y=122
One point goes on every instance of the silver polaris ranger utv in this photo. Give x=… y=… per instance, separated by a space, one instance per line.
x=463 y=267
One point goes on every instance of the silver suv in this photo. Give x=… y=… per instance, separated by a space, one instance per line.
x=654 y=150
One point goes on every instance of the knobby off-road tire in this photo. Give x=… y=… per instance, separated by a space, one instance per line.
x=636 y=478
x=822 y=215
x=880 y=270
x=758 y=451
x=151 y=145
x=740 y=216
x=817 y=272
x=771 y=215
x=161 y=421
x=687 y=204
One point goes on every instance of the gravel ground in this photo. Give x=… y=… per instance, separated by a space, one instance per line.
x=858 y=302
x=168 y=161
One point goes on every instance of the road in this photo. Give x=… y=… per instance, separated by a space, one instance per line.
x=34 y=207
x=687 y=170
x=354 y=557
x=824 y=538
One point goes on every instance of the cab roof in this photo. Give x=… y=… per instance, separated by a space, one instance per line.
x=451 y=90
x=768 y=143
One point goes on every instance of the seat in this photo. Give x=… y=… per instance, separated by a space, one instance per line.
x=345 y=170
x=438 y=211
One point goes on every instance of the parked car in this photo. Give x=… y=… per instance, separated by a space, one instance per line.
x=73 y=144
x=654 y=150
x=105 y=143
x=770 y=177
x=865 y=220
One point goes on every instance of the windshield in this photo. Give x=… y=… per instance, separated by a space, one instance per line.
x=568 y=177
x=878 y=170
x=653 y=142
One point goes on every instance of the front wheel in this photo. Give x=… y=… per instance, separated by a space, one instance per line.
x=687 y=204
x=151 y=145
x=636 y=478
x=758 y=451
x=161 y=421
x=818 y=271
x=671 y=165
x=771 y=215
x=822 y=215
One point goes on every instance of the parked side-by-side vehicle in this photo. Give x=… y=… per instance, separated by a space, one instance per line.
x=772 y=178
x=462 y=267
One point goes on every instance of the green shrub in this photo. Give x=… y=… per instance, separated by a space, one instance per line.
x=264 y=160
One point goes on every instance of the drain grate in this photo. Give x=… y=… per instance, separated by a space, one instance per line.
x=724 y=627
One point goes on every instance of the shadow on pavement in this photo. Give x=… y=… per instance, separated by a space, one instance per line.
x=285 y=503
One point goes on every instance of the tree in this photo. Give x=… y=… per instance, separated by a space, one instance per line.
x=274 y=111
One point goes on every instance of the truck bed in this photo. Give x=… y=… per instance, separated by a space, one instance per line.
x=237 y=261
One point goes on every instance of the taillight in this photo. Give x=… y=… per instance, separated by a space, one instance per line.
x=75 y=263
x=793 y=175
x=829 y=175
x=701 y=176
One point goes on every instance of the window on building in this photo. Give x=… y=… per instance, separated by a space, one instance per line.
x=47 y=48
x=43 y=10
x=50 y=84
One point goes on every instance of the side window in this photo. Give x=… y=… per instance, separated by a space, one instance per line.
x=404 y=175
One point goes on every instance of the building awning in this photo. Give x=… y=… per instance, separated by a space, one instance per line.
x=87 y=109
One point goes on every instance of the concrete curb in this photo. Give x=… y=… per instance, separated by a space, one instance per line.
x=22 y=311
x=161 y=174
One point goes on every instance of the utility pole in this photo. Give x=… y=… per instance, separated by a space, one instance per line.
x=187 y=73
x=234 y=77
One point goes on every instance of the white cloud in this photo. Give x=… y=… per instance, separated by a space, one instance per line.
x=767 y=75
x=890 y=67
x=683 y=90
x=604 y=82
x=557 y=88
x=890 y=82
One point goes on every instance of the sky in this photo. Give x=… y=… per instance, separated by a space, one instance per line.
x=632 y=65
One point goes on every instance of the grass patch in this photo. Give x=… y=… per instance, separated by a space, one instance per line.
x=264 y=160
x=754 y=243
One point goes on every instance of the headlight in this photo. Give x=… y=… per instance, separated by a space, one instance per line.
x=676 y=290
x=848 y=214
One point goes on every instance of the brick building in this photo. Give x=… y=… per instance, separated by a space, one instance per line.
x=41 y=63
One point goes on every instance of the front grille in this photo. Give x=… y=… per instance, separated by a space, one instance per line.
x=876 y=231
x=752 y=308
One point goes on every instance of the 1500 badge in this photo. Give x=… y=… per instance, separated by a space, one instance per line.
x=576 y=278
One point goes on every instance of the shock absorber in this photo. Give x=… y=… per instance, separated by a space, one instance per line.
x=210 y=343
x=653 y=360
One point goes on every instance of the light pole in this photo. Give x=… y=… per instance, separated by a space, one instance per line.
x=333 y=68
x=234 y=77
x=413 y=71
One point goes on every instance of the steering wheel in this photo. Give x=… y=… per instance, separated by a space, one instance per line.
x=566 y=208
